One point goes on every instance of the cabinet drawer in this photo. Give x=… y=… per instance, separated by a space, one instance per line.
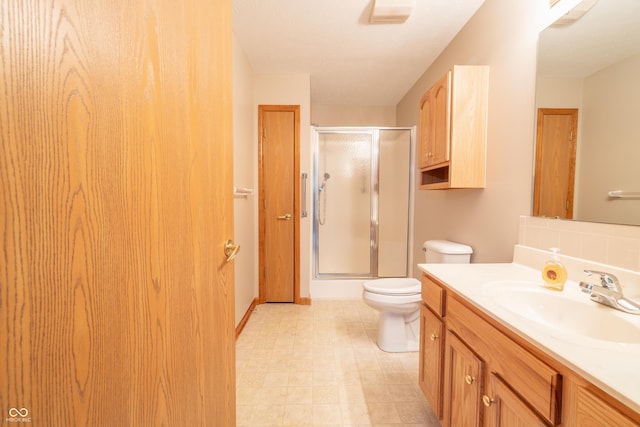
x=532 y=379
x=433 y=295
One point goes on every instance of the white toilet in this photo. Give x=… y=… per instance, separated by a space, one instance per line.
x=398 y=299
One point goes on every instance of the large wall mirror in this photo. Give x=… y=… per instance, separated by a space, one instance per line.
x=589 y=68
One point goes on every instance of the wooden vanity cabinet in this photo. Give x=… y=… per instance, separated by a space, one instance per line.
x=479 y=373
x=485 y=378
x=452 y=129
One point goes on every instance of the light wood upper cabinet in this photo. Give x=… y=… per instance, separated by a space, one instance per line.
x=453 y=129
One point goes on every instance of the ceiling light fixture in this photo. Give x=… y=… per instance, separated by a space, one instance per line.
x=391 y=11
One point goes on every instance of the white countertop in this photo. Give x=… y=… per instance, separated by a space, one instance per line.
x=612 y=366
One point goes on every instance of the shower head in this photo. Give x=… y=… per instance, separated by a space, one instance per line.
x=324 y=181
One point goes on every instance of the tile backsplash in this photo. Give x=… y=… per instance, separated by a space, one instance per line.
x=616 y=245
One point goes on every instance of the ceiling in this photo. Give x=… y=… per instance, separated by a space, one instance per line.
x=350 y=61
x=607 y=33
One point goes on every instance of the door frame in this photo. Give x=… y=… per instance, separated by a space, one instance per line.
x=262 y=286
x=542 y=112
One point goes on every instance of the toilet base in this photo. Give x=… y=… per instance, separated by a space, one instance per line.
x=399 y=333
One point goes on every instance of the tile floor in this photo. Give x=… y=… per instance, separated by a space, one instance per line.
x=319 y=365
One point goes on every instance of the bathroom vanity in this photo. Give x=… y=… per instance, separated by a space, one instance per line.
x=490 y=356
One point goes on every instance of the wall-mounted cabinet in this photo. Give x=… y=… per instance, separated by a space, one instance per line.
x=453 y=129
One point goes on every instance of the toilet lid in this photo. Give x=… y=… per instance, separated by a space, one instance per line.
x=393 y=286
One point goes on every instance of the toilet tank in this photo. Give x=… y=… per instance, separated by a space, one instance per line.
x=446 y=252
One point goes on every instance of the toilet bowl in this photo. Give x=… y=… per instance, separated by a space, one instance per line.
x=398 y=301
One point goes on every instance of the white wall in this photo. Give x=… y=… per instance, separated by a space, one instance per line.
x=353 y=115
x=609 y=144
x=245 y=167
x=502 y=34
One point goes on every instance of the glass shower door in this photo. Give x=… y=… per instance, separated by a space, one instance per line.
x=343 y=204
x=362 y=193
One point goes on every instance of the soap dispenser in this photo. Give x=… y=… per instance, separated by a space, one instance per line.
x=554 y=273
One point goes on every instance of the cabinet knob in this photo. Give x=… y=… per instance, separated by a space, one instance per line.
x=487 y=400
x=469 y=379
x=434 y=336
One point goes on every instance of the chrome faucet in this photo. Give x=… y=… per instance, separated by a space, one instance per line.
x=609 y=292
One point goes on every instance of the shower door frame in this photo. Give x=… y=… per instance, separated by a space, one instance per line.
x=374 y=199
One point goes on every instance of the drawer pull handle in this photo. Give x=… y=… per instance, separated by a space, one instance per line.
x=487 y=400
x=434 y=336
x=469 y=379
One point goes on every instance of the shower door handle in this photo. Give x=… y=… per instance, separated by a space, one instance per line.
x=286 y=217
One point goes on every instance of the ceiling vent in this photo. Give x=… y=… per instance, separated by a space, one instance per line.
x=391 y=11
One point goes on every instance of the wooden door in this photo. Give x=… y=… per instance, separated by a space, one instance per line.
x=279 y=127
x=116 y=303
x=555 y=162
x=505 y=409
x=463 y=379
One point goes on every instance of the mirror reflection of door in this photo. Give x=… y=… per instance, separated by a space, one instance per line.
x=555 y=162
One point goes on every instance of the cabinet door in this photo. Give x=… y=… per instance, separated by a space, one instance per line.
x=441 y=110
x=425 y=129
x=462 y=384
x=435 y=122
x=432 y=356
x=591 y=411
x=505 y=409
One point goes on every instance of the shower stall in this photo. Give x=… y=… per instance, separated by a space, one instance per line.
x=362 y=203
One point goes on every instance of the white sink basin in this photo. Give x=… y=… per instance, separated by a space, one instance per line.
x=570 y=312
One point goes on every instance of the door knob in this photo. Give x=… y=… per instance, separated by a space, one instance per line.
x=231 y=250
x=286 y=217
x=487 y=400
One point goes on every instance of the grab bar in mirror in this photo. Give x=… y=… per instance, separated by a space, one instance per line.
x=619 y=194
x=242 y=192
